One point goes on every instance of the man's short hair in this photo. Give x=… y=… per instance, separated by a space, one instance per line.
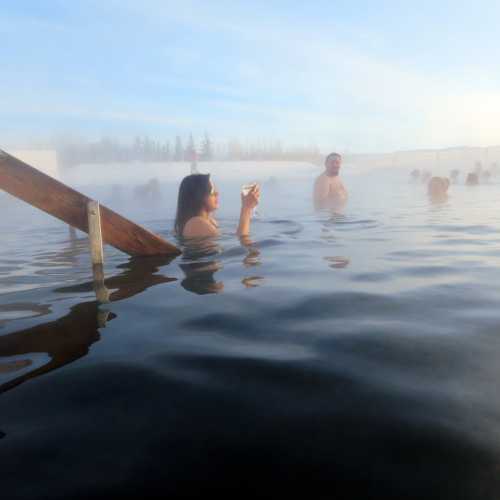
x=331 y=156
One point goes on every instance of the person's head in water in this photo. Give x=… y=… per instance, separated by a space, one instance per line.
x=438 y=187
x=333 y=163
x=197 y=195
x=472 y=179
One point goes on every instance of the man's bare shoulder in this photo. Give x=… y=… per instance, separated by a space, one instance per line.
x=321 y=179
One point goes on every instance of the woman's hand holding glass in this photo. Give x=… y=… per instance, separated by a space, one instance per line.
x=250 y=195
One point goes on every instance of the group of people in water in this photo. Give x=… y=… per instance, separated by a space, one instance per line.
x=198 y=199
x=437 y=187
x=198 y=196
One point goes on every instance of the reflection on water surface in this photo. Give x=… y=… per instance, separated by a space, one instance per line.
x=349 y=355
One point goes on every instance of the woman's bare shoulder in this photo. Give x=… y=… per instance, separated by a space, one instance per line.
x=198 y=227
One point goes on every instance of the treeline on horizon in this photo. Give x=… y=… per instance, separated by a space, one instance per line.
x=145 y=149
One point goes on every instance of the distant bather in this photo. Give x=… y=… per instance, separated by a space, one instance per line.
x=149 y=191
x=425 y=177
x=472 y=179
x=454 y=175
x=438 y=188
x=415 y=174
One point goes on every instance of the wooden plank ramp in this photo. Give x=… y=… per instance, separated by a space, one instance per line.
x=42 y=191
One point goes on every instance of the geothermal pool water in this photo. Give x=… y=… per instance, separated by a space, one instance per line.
x=350 y=355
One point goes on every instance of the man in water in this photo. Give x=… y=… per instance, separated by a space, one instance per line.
x=329 y=192
x=437 y=189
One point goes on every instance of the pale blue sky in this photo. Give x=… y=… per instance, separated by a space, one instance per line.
x=353 y=76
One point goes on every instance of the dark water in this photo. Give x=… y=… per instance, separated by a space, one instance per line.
x=330 y=356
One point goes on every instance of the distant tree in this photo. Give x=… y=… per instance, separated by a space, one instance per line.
x=165 y=153
x=278 y=150
x=148 y=149
x=206 y=153
x=234 y=150
x=137 y=149
x=108 y=149
x=156 y=151
x=179 y=152
x=220 y=151
x=190 y=152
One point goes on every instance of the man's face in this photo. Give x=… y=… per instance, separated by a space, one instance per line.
x=333 y=166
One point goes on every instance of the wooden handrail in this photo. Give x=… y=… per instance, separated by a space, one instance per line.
x=42 y=191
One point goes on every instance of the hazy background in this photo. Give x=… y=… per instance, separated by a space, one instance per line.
x=358 y=77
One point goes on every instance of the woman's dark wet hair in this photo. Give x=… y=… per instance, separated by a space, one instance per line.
x=192 y=194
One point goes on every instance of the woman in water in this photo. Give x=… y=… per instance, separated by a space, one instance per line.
x=198 y=199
